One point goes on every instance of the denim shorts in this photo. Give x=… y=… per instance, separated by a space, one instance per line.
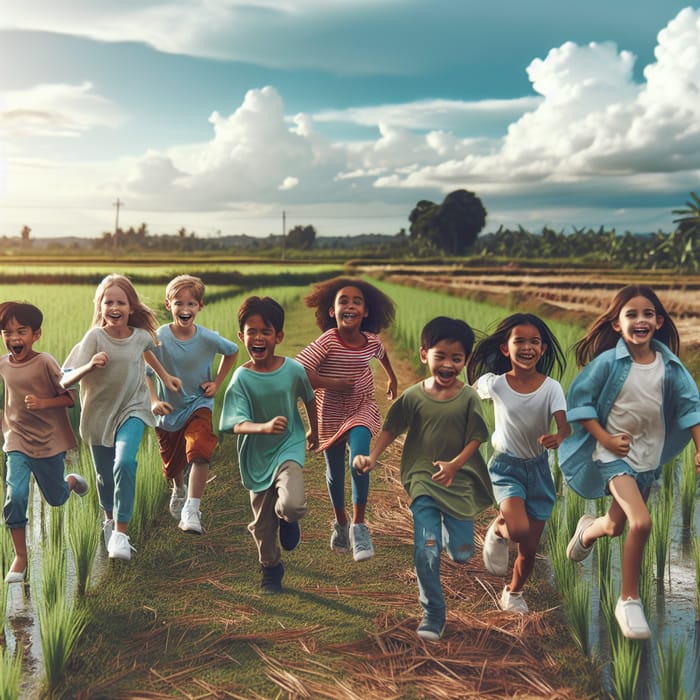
x=529 y=479
x=618 y=467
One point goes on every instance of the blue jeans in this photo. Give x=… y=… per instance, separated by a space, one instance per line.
x=116 y=470
x=434 y=530
x=358 y=440
x=48 y=474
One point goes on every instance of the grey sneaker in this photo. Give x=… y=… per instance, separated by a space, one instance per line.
x=177 y=501
x=340 y=538
x=120 y=546
x=107 y=530
x=495 y=552
x=513 y=601
x=362 y=548
x=575 y=550
x=80 y=487
x=430 y=630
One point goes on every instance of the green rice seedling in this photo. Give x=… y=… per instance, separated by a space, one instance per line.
x=626 y=660
x=661 y=512
x=10 y=672
x=7 y=554
x=688 y=485
x=557 y=476
x=575 y=507
x=696 y=557
x=60 y=626
x=578 y=607
x=647 y=590
x=83 y=538
x=668 y=477
x=670 y=676
x=54 y=563
x=603 y=547
x=151 y=488
x=565 y=574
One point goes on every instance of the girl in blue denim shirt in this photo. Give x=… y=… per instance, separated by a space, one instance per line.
x=633 y=407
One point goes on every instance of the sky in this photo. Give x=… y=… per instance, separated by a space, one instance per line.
x=228 y=117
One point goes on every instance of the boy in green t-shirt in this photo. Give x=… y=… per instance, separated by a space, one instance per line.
x=442 y=469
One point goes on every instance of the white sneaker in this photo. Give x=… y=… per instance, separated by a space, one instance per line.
x=630 y=616
x=340 y=537
x=191 y=521
x=107 y=530
x=575 y=550
x=513 y=601
x=495 y=552
x=177 y=501
x=120 y=546
x=80 y=487
x=361 y=543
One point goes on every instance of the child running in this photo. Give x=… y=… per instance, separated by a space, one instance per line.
x=115 y=404
x=634 y=407
x=511 y=367
x=261 y=407
x=184 y=418
x=351 y=312
x=442 y=469
x=35 y=425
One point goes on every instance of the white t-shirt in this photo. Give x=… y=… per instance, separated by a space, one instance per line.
x=637 y=411
x=521 y=418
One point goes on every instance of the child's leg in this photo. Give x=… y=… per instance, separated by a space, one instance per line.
x=199 y=473
x=627 y=496
x=200 y=443
x=427 y=545
x=359 y=439
x=15 y=507
x=290 y=505
x=458 y=538
x=526 y=532
x=103 y=459
x=19 y=542
x=126 y=446
x=335 y=479
x=264 y=526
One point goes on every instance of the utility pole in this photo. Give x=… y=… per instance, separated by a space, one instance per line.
x=284 y=231
x=118 y=204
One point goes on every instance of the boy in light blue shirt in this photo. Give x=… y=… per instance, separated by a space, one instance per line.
x=260 y=406
x=184 y=418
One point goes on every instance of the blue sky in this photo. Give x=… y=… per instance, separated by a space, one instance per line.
x=219 y=115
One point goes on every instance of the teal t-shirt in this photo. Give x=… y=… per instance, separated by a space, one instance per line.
x=259 y=397
x=440 y=430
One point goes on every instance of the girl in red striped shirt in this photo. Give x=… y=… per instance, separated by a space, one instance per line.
x=351 y=312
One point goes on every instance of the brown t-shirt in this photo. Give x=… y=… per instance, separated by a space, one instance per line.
x=37 y=433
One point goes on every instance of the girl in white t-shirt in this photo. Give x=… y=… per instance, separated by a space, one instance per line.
x=114 y=398
x=511 y=367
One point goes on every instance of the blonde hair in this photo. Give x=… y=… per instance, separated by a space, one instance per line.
x=141 y=316
x=182 y=282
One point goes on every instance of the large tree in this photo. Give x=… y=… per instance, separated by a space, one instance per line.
x=452 y=226
x=301 y=237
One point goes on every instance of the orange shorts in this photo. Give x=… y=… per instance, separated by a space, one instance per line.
x=194 y=442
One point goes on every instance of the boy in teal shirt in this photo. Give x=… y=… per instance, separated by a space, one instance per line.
x=260 y=406
x=442 y=469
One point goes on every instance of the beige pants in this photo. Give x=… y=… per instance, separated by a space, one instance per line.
x=284 y=499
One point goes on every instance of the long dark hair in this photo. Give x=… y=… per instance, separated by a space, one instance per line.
x=487 y=355
x=602 y=336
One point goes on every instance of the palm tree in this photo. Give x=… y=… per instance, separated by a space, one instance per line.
x=688 y=232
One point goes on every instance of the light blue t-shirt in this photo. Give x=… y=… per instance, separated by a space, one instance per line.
x=259 y=397
x=190 y=360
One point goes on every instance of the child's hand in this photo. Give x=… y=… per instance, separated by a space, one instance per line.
x=172 y=383
x=362 y=464
x=33 y=403
x=618 y=444
x=276 y=426
x=391 y=389
x=312 y=439
x=161 y=408
x=99 y=359
x=445 y=473
x=342 y=386
x=209 y=388
x=697 y=463
x=550 y=442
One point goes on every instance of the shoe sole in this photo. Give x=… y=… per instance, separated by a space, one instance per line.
x=581 y=526
x=190 y=530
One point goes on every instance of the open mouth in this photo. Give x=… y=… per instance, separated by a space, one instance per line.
x=17 y=349
x=446 y=374
x=185 y=317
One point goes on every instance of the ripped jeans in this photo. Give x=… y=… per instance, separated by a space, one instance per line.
x=434 y=530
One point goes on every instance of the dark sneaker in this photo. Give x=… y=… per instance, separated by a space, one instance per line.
x=272 y=578
x=340 y=537
x=290 y=534
x=430 y=630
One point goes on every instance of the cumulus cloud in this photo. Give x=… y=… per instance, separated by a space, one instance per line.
x=57 y=110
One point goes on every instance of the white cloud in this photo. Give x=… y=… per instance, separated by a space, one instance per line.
x=289 y=183
x=56 y=110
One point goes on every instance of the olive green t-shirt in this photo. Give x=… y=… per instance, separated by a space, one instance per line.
x=440 y=430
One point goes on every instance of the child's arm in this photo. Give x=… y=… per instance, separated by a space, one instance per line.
x=172 y=383
x=225 y=366
x=34 y=403
x=552 y=441
x=342 y=385
x=159 y=408
x=276 y=426
x=98 y=360
x=365 y=463
x=695 y=432
x=392 y=384
x=447 y=469
x=312 y=434
x=618 y=444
